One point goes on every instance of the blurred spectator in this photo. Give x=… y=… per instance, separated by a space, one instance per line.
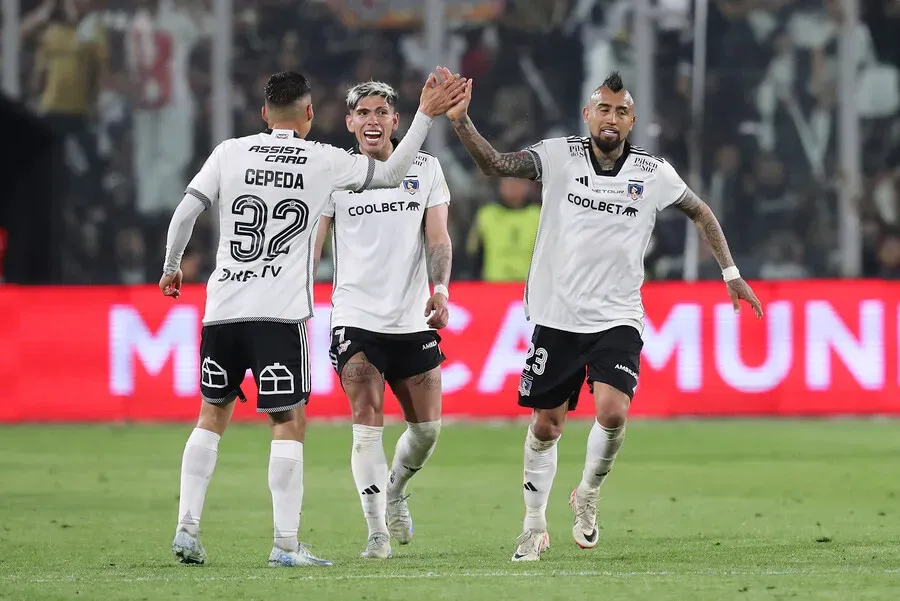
x=889 y=255
x=128 y=82
x=160 y=40
x=503 y=234
x=71 y=61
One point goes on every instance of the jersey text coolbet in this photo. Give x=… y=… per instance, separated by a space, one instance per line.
x=380 y=275
x=588 y=263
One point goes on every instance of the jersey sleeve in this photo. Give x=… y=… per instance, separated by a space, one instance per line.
x=541 y=154
x=329 y=207
x=205 y=185
x=439 y=193
x=671 y=186
x=349 y=171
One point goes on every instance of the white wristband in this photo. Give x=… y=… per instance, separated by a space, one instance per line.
x=441 y=289
x=730 y=273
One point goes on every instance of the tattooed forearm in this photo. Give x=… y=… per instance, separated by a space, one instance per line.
x=708 y=226
x=440 y=259
x=524 y=164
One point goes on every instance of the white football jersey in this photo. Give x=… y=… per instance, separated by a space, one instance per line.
x=269 y=191
x=378 y=240
x=588 y=263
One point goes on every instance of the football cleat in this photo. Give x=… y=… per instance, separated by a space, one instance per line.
x=584 y=530
x=399 y=522
x=301 y=558
x=188 y=548
x=530 y=545
x=378 y=547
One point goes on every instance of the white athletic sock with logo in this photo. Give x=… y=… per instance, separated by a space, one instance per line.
x=286 y=485
x=540 y=469
x=369 y=465
x=414 y=448
x=602 y=446
x=197 y=465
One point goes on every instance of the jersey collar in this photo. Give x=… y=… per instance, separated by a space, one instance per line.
x=272 y=131
x=619 y=162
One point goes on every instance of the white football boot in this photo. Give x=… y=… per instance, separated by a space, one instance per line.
x=378 y=547
x=301 y=558
x=188 y=548
x=530 y=545
x=399 y=522
x=584 y=530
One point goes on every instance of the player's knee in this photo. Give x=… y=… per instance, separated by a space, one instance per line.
x=288 y=425
x=367 y=401
x=215 y=418
x=547 y=425
x=612 y=409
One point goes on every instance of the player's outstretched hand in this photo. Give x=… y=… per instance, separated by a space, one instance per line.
x=438 y=96
x=461 y=108
x=170 y=285
x=740 y=290
x=437 y=311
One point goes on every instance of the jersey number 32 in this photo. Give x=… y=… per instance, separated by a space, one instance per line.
x=251 y=232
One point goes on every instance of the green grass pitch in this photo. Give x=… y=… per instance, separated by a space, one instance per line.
x=693 y=510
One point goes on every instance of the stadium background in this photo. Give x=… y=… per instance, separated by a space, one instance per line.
x=783 y=114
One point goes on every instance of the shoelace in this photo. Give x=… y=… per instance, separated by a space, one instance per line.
x=588 y=510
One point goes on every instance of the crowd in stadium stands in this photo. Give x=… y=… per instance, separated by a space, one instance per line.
x=135 y=107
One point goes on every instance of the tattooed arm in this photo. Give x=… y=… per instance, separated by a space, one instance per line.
x=439 y=255
x=523 y=164
x=439 y=249
x=711 y=232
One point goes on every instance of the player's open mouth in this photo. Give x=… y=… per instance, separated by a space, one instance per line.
x=372 y=136
x=609 y=132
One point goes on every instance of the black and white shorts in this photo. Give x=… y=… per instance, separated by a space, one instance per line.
x=276 y=353
x=558 y=361
x=396 y=356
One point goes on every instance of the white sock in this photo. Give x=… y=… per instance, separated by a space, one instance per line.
x=413 y=449
x=286 y=484
x=602 y=446
x=540 y=469
x=369 y=465
x=197 y=465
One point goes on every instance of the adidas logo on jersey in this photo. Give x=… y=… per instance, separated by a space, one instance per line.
x=583 y=181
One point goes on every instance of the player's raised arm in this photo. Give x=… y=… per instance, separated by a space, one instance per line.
x=524 y=164
x=711 y=232
x=359 y=173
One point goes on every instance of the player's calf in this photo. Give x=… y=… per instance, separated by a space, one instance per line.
x=363 y=383
x=604 y=441
x=420 y=399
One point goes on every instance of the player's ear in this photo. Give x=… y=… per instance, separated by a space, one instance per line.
x=584 y=114
x=309 y=112
x=349 y=120
x=265 y=115
x=395 y=122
